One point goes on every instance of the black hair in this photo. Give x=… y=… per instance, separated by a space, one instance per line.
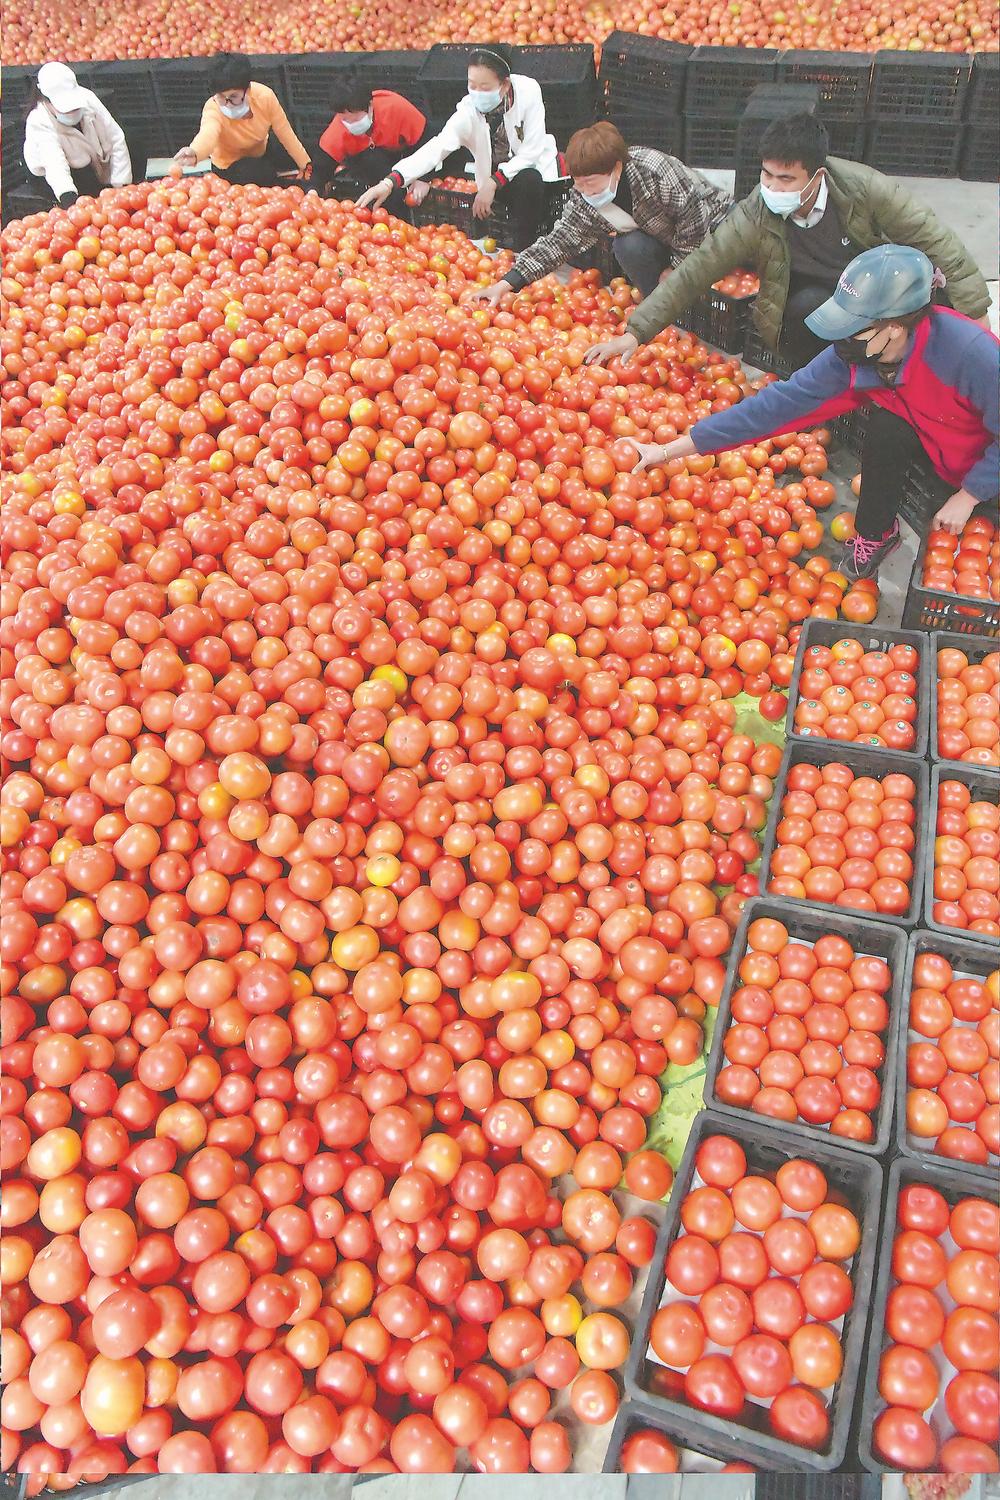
x=353 y=91
x=496 y=58
x=906 y=320
x=796 y=138
x=230 y=70
x=35 y=97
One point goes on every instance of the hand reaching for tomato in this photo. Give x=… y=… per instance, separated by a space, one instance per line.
x=955 y=511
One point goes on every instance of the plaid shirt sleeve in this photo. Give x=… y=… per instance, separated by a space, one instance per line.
x=576 y=231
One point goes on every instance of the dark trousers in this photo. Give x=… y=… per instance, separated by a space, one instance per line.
x=264 y=170
x=642 y=258
x=889 y=451
x=523 y=198
x=797 y=344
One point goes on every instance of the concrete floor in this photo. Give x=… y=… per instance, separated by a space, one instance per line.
x=443 y=1487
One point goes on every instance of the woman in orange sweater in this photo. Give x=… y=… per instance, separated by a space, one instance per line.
x=236 y=126
x=364 y=139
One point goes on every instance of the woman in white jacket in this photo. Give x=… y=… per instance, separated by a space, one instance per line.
x=71 y=140
x=501 y=124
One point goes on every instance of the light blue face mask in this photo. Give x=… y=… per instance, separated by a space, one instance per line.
x=603 y=198
x=359 y=127
x=73 y=118
x=485 y=99
x=785 y=202
x=235 y=111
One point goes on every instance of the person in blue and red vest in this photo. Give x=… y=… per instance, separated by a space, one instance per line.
x=930 y=376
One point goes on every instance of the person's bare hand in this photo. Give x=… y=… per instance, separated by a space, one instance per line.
x=186 y=157
x=418 y=191
x=376 y=196
x=621 y=348
x=483 y=201
x=955 y=511
x=491 y=294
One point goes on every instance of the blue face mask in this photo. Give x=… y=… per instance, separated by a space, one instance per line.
x=603 y=198
x=485 y=99
x=235 y=111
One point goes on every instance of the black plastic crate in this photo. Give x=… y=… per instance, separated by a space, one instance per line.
x=646 y=128
x=129 y=89
x=968 y=960
x=710 y=141
x=568 y=81
x=851 y=428
x=954 y=1183
x=182 y=87
x=976 y=648
x=854 y=1180
x=720 y=80
x=870 y=939
x=919 y=85
x=16 y=89
x=863 y=762
x=309 y=84
x=642 y=75
x=982 y=105
x=984 y=786
x=935 y=609
x=914 y=147
x=848 y=138
x=843 y=80
x=762 y=356
x=978 y=162
x=770 y=102
x=728 y=318
x=708 y=1458
x=873 y=638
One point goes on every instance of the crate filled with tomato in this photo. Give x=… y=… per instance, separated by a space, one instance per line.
x=955 y=583
x=644 y=1441
x=948 y=1076
x=806 y=1029
x=846 y=830
x=965 y=720
x=931 y=1397
x=963 y=864
x=861 y=685
x=755 y=1308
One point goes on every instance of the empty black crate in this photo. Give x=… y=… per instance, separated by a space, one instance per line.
x=979 y=154
x=645 y=128
x=642 y=75
x=847 y=138
x=182 y=88
x=720 y=80
x=769 y=102
x=16 y=88
x=982 y=105
x=443 y=78
x=921 y=86
x=569 y=85
x=914 y=147
x=710 y=141
x=843 y=80
x=310 y=84
x=128 y=87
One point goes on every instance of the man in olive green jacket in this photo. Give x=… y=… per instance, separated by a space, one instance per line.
x=809 y=217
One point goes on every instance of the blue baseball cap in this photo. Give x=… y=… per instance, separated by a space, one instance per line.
x=886 y=282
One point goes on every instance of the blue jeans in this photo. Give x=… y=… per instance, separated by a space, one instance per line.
x=642 y=258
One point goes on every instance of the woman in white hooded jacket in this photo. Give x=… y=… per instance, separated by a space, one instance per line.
x=71 y=139
x=501 y=124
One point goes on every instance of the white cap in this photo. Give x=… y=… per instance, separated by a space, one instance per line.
x=57 y=83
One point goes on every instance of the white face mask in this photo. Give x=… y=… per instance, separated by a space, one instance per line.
x=485 y=99
x=73 y=118
x=359 y=127
x=784 y=202
x=235 y=111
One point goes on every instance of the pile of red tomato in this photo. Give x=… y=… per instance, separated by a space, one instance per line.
x=953 y=1060
x=966 y=888
x=806 y=1038
x=968 y=706
x=374 y=786
x=757 y=1287
x=862 y=697
x=650 y=1450
x=938 y=1373
x=845 y=839
x=967 y=565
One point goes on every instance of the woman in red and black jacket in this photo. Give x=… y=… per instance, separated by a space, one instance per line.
x=365 y=136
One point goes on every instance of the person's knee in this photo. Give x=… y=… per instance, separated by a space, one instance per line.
x=641 y=257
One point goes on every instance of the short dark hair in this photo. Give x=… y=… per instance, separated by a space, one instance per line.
x=354 y=91
x=495 y=57
x=907 y=320
x=230 y=70
x=796 y=138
